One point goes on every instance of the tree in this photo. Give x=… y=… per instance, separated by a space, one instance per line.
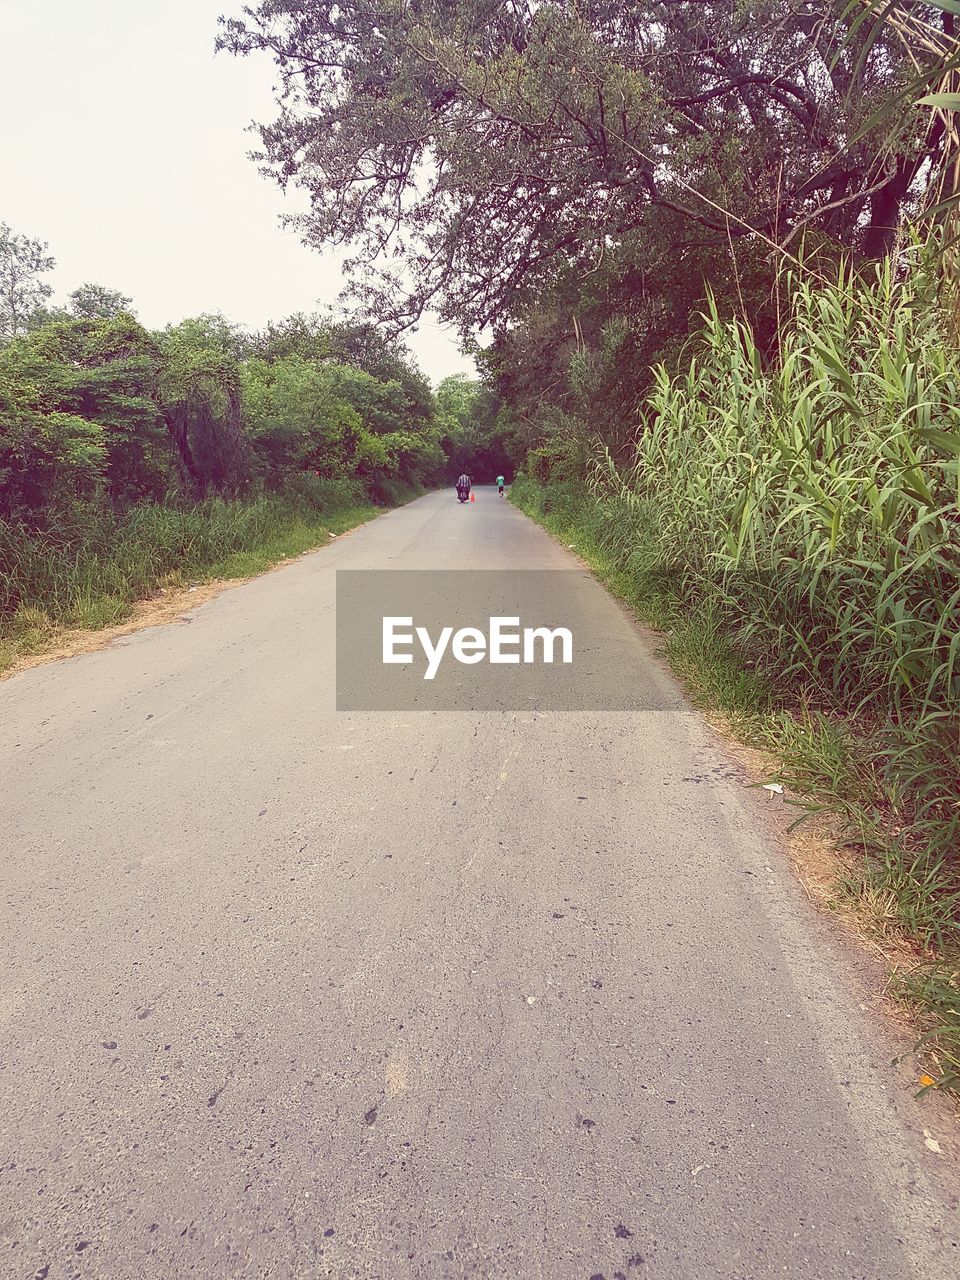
x=47 y=459
x=477 y=437
x=359 y=344
x=201 y=398
x=42 y=316
x=212 y=331
x=22 y=262
x=295 y=419
x=473 y=151
x=102 y=373
x=96 y=302
x=301 y=335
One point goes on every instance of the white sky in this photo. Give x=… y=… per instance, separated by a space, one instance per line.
x=123 y=146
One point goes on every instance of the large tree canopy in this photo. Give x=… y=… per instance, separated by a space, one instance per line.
x=471 y=150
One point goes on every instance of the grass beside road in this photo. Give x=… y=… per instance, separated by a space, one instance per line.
x=893 y=872
x=90 y=571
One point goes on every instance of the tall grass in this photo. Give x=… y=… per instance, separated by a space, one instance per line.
x=806 y=515
x=816 y=506
x=87 y=567
x=819 y=502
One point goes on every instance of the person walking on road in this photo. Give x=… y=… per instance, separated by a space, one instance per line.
x=500 y=485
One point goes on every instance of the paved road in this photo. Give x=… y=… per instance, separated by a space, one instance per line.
x=294 y=993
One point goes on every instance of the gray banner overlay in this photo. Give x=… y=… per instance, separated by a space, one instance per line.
x=607 y=669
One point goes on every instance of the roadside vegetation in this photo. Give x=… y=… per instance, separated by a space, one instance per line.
x=87 y=569
x=132 y=461
x=794 y=530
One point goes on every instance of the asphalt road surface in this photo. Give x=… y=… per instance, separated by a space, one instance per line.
x=289 y=992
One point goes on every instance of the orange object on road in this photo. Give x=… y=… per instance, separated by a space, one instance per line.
x=473 y=496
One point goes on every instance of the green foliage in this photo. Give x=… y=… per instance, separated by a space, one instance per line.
x=127 y=456
x=360 y=346
x=558 y=463
x=819 y=497
x=95 y=409
x=47 y=459
x=479 y=434
x=82 y=416
x=293 y=420
x=200 y=390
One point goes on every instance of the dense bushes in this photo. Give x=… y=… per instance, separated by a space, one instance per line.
x=129 y=458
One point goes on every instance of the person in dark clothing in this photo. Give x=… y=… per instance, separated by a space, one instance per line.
x=463 y=486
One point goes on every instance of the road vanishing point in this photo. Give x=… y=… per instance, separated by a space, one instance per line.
x=293 y=992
